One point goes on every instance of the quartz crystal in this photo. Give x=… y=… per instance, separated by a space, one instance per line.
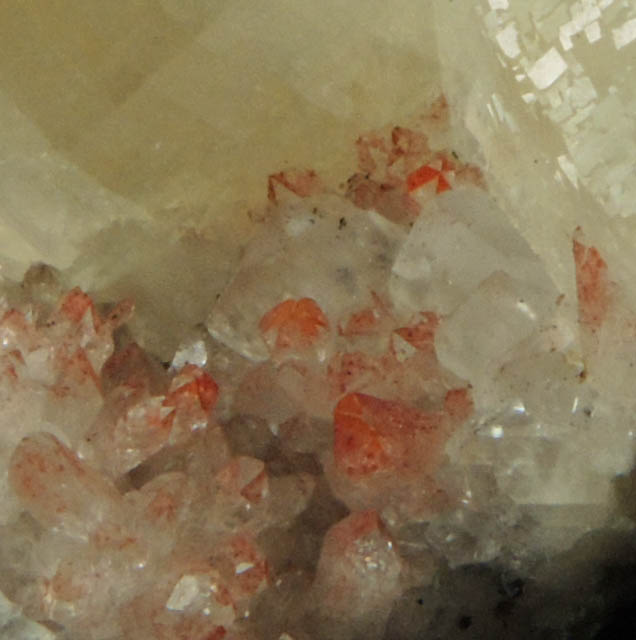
x=395 y=400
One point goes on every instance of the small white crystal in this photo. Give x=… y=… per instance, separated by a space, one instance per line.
x=547 y=69
x=193 y=353
x=624 y=34
x=569 y=169
x=497 y=431
x=242 y=567
x=507 y=39
x=184 y=593
x=593 y=32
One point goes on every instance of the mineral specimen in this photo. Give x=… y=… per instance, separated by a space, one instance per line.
x=409 y=411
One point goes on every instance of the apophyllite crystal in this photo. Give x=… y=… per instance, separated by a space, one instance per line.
x=391 y=390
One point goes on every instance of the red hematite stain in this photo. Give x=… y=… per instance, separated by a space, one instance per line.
x=360 y=323
x=348 y=531
x=458 y=404
x=442 y=184
x=243 y=551
x=40 y=472
x=76 y=303
x=592 y=284
x=302 y=183
x=348 y=371
x=296 y=323
x=373 y=435
x=426 y=174
x=367 y=321
x=256 y=489
x=420 y=177
x=421 y=335
x=201 y=389
x=76 y=368
x=163 y=507
x=358 y=447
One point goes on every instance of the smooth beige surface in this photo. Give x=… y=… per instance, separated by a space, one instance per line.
x=136 y=135
x=188 y=105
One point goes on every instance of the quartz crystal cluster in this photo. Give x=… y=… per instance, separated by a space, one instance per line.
x=390 y=386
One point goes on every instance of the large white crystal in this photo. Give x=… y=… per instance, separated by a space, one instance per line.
x=482 y=332
x=460 y=239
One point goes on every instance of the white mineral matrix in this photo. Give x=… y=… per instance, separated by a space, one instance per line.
x=393 y=425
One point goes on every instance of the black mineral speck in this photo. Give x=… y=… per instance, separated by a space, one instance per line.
x=464 y=622
x=504 y=608
x=513 y=588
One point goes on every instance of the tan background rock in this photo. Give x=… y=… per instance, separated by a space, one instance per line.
x=187 y=106
x=168 y=114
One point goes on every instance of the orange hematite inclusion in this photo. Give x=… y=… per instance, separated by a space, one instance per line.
x=296 y=323
x=358 y=446
x=55 y=484
x=427 y=173
x=367 y=321
x=303 y=183
x=76 y=303
x=458 y=404
x=193 y=384
x=421 y=335
x=348 y=531
x=254 y=575
x=592 y=284
x=373 y=435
